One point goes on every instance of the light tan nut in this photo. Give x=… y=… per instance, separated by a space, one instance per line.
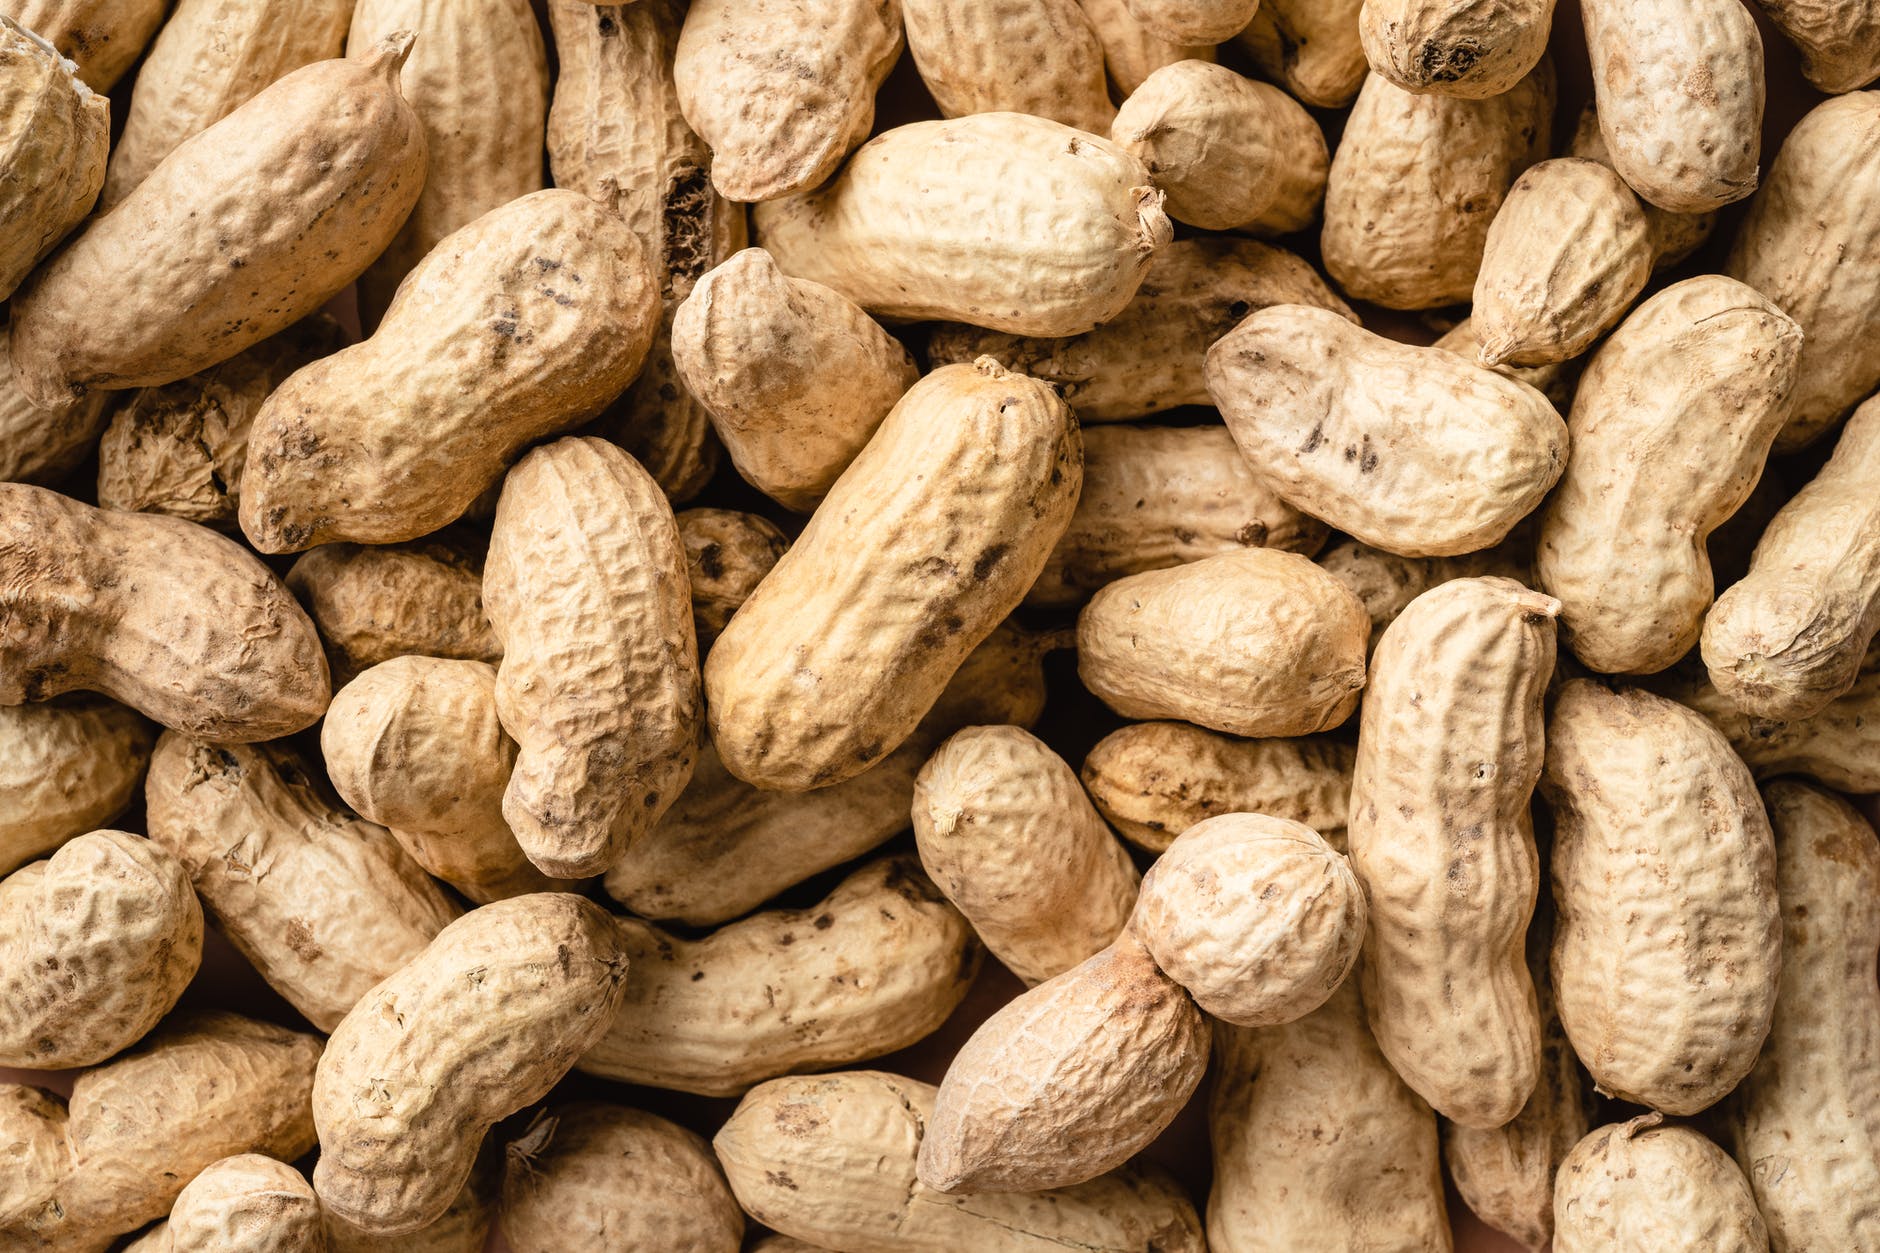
x=1675 y=236
x=376 y=603
x=592 y=1178
x=1194 y=21
x=1259 y=918
x=44 y=445
x=877 y=965
x=202 y=1087
x=1413 y=450
x=53 y=136
x=1131 y=51
x=1669 y=940
x=1318 y=1146
x=103 y=37
x=96 y=945
x=1149 y=357
x=1312 y=48
x=1679 y=88
x=1005 y=829
x=248 y=1204
x=1010 y=56
x=1839 y=39
x=480 y=1024
x=1387 y=583
x=1003 y=220
x=1669 y=429
x=845 y=646
x=1645 y=1186
x=1405 y=227
x=1806 y=1119
x=1069 y=1080
x=464 y=1228
x=1253 y=642
x=1455 y=47
x=1555 y=381
x=763 y=353
x=586 y=586
x=727 y=554
x=182 y=625
x=830 y=1160
x=245 y=229
x=323 y=904
x=67 y=766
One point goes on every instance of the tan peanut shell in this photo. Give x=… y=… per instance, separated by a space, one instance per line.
x=1455 y=47
x=727 y=554
x=103 y=37
x=1131 y=51
x=182 y=625
x=1010 y=56
x=1251 y=642
x=1148 y=358
x=1194 y=21
x=66 y=767
x=1407 y=230
x=1679 y=88
x=245 y=229
x=210 y=58
x=44 y=445
x=1568 y=251
x=1387 y=583
x=375 y=603
x=483 y=1022
x=464 y=1228
x=96 y=945
x=1555 y=381
x=1068 y=1081
x=593 y=1178
x=1003 y=220
x=830 y=1160
x=1411 y=449
x=1640 y=1185
x=845 y=646
x=1312 y=48
x=248 y=1204
x=1318 y=1146
x=1259 y=918
x=764 y=352
x=1675 y=236
x=1668 y=943
x=322 y=903
x=478 y=78
x=1669 y=430
x=1006 y=832
x=202 y=1087
x=53 y=135
x=586 y=586
x=725 y=847
x=782 y=89
x=1839 y=39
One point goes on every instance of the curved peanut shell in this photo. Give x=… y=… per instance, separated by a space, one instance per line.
x=66 y=767
x=1010 y=56
x=1131 y=51
x=102 y=37
x=53 y=136
x=1839 y=39
x=1675 y=236
x=44 y=445
x=1312 y=48
x=248 y=1204
x=1639 y=1185
x=727 y=554
x=1840 y=746
x=1669 y=940
x=1455 y=47
x=1194 y=21
x=375 y=603
x=464 y=1228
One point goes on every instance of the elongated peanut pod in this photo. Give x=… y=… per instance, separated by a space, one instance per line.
x=53 y=137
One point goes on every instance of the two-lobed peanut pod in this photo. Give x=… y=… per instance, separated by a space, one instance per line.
x=1642 y=1185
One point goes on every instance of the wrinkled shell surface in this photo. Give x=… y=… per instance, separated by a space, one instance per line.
x=1387 y=583
x=53 y=137
x=1840 y=746
x=248 y=1204
x=1455 y=47
x=1040 y=57
x=67 y=766
x=1312 y=48
x=1194 y=21
x=44 y=445
x=1675 y=236
x=727 y=554
x=1839 y=39
x=1638 y=1185
x=374 y=603
x=102 y=36
x=1131 y=51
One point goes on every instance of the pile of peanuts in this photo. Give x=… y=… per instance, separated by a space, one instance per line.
x=420 y=829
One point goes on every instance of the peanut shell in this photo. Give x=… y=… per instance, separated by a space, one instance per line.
x=376 y=603
x=1645 y=1186
x=1839 y=39
x=1455 y=47
x=1387 y=583
x=1131 y=51
x=103 y=37
x=1312 y=48
x=67 y=766
x=44 y=445
x=1010 y=56
x=1194 y=21
x=1675 y=236
x=1840 y=746
x=727 y=554
x=248 y=1204
x=53 y=136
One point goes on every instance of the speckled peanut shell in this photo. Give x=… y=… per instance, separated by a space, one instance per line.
x=726 y=847
x=1194 y=21
x=1555 y=381
x=1251 y=642
x=1310 y=47
x=1839 y=39
x=1639 y=1185
x=1154 y=780
x=1675 y=236
x=1067 y=1081
x=1417 y=179
x=1455 y=47
x=1149 y=357
x=1669 y=430
x=1806 y=1122
x=67 y=766
x=1679 y=88
x=210 y=58
x=245 y=229
x=782 y=89
x=1840 y=746
x=1259 y=918
x=1669 y=940
x=1387 y=583
x=1008 y=835
x=184 y=626
x=464 y=1228
x=1568 y=251
x=796 y=376
x=593 y=1178
x=877 y=965
x=478 y=78
x=1010 y=56
x=53 y=137
x=1411 y=449
x=202 y=1087
x=376 y=603
x=830 y=1160
x=1810 y=233
x=845 y=646
x=103 y=37
x=1003 y=220
x=1131 y=51
x=1318 y=1146
x=44 y=445
x=727 y=554
x=480 y=1024
x=322 y=903
x=248 y=1204
x=517 y=326
x=414 y=744
x=586 y=586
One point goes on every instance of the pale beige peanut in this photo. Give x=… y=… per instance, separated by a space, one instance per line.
x=53 y=136
x=373 y=603
x=830 y=1160
x=1003 y=220
x=1387 y=583
x=1311 y=47
x=102 y=37
x=1670 y=427
x=464 y=1228
x=1839 y=39
x=1555 y=381
x=1131 y=51
x=1836 y=746
x=1194 y=21
x=1010 y=56
x=1646 y=1186
x=67 y=766
x=39 y=445
x=727 y=554
x=248 y=1203
x=1675 y=236
x=1455 y=47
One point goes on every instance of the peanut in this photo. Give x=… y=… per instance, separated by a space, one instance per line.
x=373 y=604
x=53 y=137
x=1010 y=56
x=1555 y=381
x=727 y=554
x=464 y=1228
x=1645 y=1186
x=39 y=445
x=66 y=767
x=1131 y=51
x=1387 y=583
x=1455 y=47
x=248 y=1204
x=1675 y=236
x=1312 y=48
x=1194 y=21
x=1839 y=39
x=1839 y=746
x=103 y=37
